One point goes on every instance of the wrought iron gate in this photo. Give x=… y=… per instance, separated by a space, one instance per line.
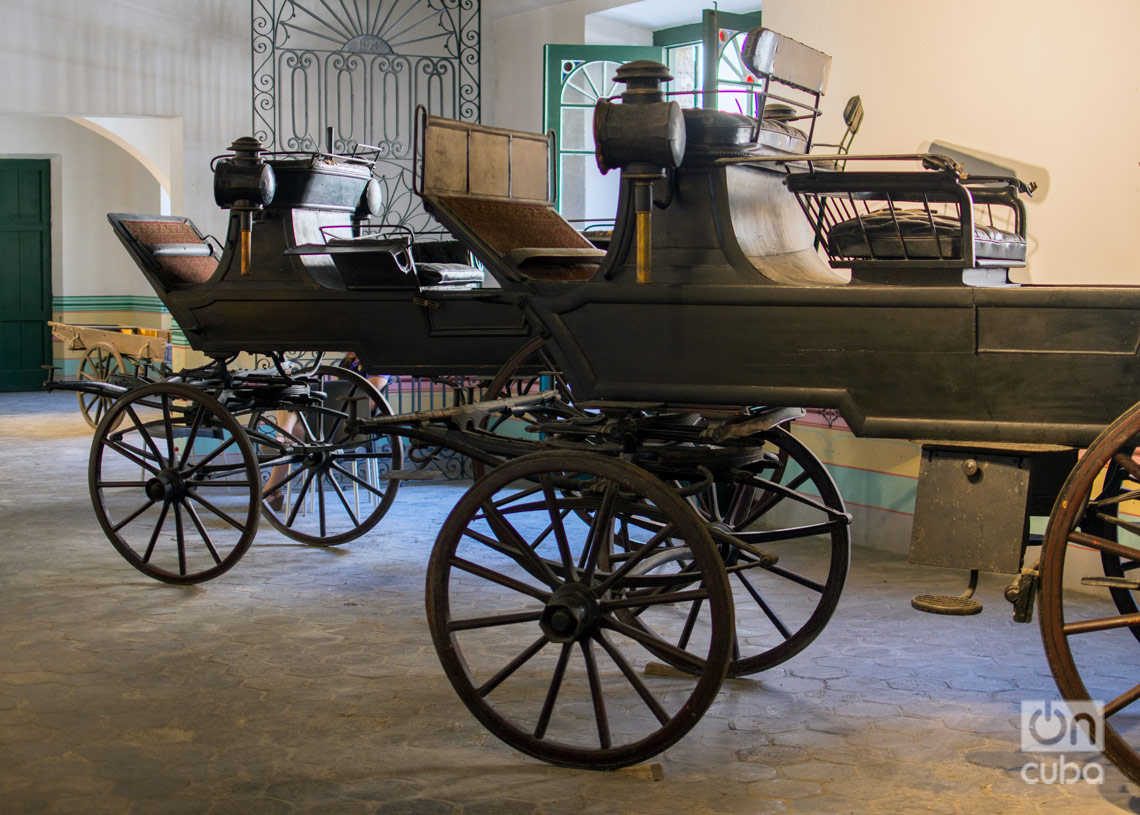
x=361 y=67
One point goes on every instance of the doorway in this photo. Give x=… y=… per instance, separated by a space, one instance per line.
x=25 y=272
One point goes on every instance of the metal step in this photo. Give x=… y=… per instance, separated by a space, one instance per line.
x=1111 y=582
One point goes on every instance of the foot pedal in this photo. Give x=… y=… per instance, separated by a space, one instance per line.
x=944 y=604
x=961 y=606
x=1111 y=582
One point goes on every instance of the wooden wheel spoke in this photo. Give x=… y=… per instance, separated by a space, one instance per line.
x=795 y=577
x=499 y=579
x=134 y=454
x=157 y=531
x=552 y=692
x=147 y=438
x=132 y=516
x=638 y=555
x=517 y=496
x=322 y=514
x=596 y=695
x=343 y=500
x=270 y=489
x=301 y=493
x=1119 y=498
x=213 y=454
x=601 y=531
x=512 y=542
x=769 y=612
x=492 y=620
x=358 y=480
x=505 y=672
x=1113 y=520
x=1123 y=458
x=690 y=623
x=789 y=492
x=340 y=412
x=1122 y=701
x=180 y=537
x=265 y=418
x=1103 y=545
x=238 y=525
x=1101 y=624
x=653 y=644
x=631 y=676
x=654 y=597
x=202 y=531
x=556 y=522
x=168 y=427
x=191 y=437
x=788 y=533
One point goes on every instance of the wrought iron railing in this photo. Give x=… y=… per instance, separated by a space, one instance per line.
x=361 y=67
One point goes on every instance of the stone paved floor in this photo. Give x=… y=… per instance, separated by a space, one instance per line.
x=304 y=681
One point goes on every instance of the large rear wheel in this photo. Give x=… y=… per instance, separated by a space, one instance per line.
x=1089 y=622
x=528 y=625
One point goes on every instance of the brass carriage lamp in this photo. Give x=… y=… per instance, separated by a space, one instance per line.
x=645 y=137
x=244 y=183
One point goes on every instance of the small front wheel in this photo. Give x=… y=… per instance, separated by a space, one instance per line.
x=174 y=483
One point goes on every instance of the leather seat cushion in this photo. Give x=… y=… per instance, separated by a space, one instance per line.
x=449 y=275
x=884 y=227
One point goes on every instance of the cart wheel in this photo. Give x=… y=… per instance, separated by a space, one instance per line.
x=530 y=369
x=527 y=626
x=1095 y=624
x=98 y=364
x=176 y=488
x=322 y=486
x=784 y=505
x=1103 y=524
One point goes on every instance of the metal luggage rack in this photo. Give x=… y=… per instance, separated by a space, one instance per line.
x=935 y=218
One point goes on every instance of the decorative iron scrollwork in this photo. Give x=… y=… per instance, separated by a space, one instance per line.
x=361 y=67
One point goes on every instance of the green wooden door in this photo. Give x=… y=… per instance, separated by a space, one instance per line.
x=25 y=273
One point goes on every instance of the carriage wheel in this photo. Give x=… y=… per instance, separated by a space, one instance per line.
x=1097 y=626
x=784 y=505
x=176 y=487
x=1103 y=524
x=527 y=625
x=529 y=370
x=98 y=364
x=322 y=486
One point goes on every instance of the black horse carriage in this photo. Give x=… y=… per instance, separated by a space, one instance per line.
x=647 y=525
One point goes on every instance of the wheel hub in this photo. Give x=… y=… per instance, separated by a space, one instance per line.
x=168 y=485
x=571 y=614
x=729 y=553
x=319 y=460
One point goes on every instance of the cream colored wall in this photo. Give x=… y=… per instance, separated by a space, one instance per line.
x=1045 y=83
x=90 y=177
x=514 y=33
x=120 y=58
